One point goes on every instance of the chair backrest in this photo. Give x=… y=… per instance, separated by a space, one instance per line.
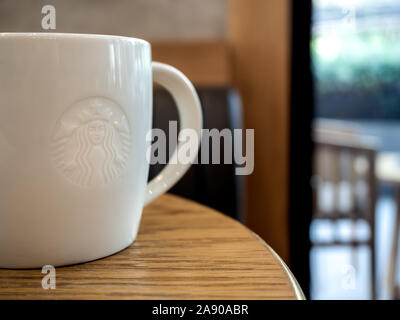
x=344 y=183
x=213 y=185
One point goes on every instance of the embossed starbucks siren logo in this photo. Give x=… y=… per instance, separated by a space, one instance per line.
x=91 y=142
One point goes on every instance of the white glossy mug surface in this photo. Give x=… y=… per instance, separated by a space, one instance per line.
x=74 y=113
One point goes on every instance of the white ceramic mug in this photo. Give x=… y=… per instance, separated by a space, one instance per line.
x=74 y=113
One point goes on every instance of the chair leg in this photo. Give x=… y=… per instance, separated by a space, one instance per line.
x=373 y=198
x=354 y=249
x=394 y=250
x=373 y=267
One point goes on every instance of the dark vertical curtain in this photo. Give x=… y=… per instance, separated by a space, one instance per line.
x=300 y=143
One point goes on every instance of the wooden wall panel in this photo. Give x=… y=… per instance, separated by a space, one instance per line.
x=259 y=35
x=205 y=63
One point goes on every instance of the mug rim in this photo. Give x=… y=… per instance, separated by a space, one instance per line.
x=66 y=35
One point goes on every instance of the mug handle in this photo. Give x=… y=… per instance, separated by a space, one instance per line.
x=190 y=117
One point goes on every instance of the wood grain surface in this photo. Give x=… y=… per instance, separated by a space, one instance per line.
x=183 y=251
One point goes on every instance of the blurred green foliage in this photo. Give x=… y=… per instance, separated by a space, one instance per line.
x=363 y=69
x=365 y=61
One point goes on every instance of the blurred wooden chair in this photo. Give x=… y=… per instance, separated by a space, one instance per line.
x=344 y=183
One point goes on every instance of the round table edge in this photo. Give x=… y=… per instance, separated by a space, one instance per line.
x=293 y=281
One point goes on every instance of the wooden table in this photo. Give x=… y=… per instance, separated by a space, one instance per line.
x=184 y=251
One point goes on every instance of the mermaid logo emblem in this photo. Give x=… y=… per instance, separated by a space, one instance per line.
x=91 y=142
